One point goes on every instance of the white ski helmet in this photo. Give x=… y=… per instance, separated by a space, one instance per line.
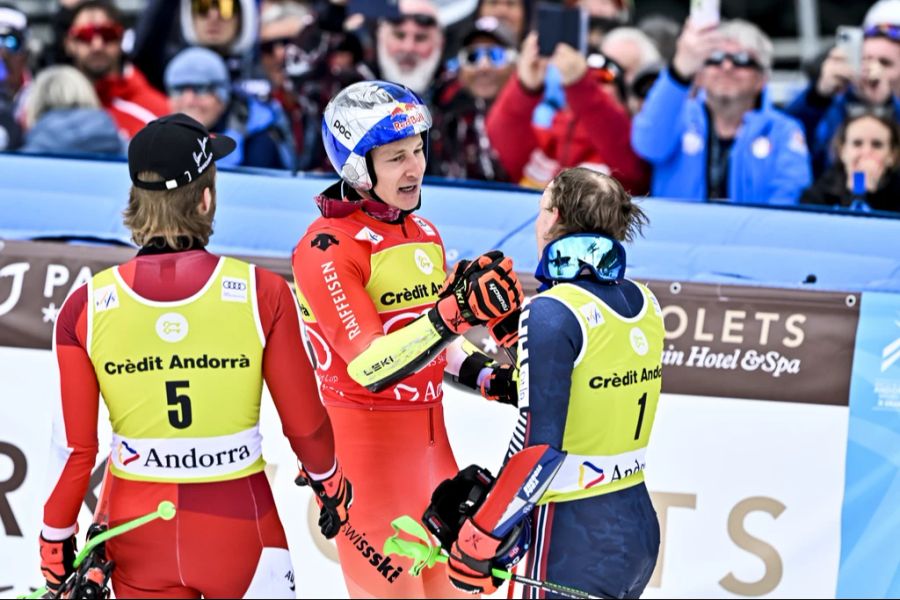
x=884 y=12
x=366 y=115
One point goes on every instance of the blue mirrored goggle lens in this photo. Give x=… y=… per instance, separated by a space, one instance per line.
x=567 y=257
x=495 y=54
x=11 y=42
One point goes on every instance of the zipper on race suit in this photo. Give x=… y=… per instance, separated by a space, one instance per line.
x=431 y=427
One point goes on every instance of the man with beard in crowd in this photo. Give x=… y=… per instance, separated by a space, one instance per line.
x=94 y=44
x=410 y=46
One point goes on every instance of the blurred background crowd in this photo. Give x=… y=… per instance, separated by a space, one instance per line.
x=762 y=108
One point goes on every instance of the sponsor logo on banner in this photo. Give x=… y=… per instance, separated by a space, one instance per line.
x=760 y=343
x=234 y=290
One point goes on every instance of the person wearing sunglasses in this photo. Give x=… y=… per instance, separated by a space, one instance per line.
x=460 y=147
x=841 y=88
x=94 y=44
x=198 y=85
x=575 y=107
x=165 y=27
x=409 y=47
x=708 y=128
x=590 y=374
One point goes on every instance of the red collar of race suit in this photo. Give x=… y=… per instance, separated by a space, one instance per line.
x=334 y=204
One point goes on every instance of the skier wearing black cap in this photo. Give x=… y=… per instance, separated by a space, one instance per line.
x=179 y=341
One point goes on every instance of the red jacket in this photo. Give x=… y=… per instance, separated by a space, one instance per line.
x=599 y=136
x=130 y=100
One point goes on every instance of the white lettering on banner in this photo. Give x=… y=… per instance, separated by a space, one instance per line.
x=17 y=272
x=58 y=275
x=710 y=526
x=677 y=321
x=701 y=357
x=336 y=290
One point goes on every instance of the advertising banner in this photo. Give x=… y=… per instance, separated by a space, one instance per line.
x=746 y=464
x=870 y=527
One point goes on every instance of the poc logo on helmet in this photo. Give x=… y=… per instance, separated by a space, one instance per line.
x=341 y=129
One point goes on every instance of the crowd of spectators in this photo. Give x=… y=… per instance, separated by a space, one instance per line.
x=673 y=110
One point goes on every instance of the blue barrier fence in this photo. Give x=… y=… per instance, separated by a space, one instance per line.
x=264 y=213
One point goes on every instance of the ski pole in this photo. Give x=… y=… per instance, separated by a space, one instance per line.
x=424 y=554
x=165 y=511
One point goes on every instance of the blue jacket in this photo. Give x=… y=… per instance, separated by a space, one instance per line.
x=74 y=131
x=262 y=134
x=769 y=162
x=822 y=122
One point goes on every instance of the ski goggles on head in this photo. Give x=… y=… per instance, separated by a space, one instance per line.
x=497 y=56
x=11 y=42
x=570 y=256
x=227 y=8
x=886 y=30
x=108 y=32
x=740 y=60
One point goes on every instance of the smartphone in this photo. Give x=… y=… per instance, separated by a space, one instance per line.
x=375 y=9
x=704 y=13
x=560 y=24
x=850 y=40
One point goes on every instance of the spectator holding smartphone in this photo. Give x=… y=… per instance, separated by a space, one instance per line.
x=582 y=119
x=726 y=141
x=840 y=89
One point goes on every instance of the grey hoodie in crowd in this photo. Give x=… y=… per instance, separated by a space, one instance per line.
x=74 y=131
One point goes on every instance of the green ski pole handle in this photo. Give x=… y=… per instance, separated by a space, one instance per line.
x=165 y=511
x=424 y=554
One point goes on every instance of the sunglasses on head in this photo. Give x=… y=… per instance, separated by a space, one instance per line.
x=741 y=60
x=885 y=30
x=498 y=56
x=11 y=42
x=419 y=19
x=227 y=8
x=108 y=32
x=567 y=258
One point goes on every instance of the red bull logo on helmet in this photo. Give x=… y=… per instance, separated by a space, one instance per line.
x=406 y=114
